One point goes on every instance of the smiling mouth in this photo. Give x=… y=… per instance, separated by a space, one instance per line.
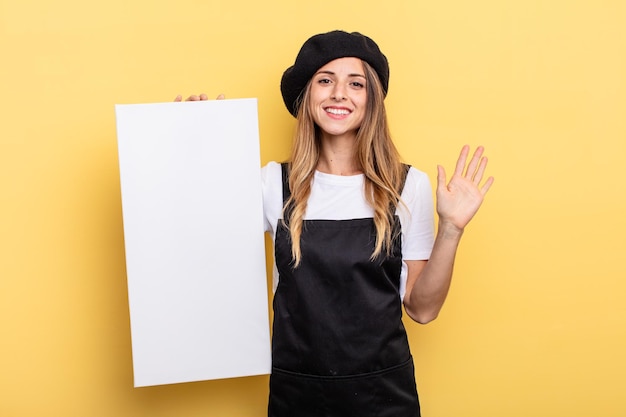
x=337 y=112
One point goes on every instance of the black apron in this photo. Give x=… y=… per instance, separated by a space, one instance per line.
x=339 y=347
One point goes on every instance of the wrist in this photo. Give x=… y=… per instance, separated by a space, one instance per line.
x=449 y=230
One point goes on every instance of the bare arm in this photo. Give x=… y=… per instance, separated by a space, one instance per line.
x=457 y=203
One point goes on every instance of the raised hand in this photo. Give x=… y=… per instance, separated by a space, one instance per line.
x=201 y=97
x=459 y=200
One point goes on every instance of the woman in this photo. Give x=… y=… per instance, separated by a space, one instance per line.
x=353 y=238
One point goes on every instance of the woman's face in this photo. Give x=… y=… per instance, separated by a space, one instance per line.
x=338 y=97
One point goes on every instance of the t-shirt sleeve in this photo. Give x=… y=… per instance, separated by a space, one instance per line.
x=417 y=216
x=271 y=183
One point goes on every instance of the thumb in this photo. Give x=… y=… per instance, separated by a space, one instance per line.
x=441 y=179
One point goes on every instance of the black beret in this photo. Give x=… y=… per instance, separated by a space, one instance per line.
x=319 y=50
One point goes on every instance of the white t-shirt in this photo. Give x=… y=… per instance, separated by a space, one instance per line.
x=336 y=197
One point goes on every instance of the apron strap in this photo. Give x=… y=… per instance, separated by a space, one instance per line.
x=403 y=182
x=286 y=192
x=285 y=171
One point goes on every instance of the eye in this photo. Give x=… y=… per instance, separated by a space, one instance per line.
x=323 y=81
x=357 y=84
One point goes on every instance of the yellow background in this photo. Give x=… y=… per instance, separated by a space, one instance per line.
x=535 y=324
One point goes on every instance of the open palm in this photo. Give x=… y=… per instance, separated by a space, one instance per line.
x=459 y=200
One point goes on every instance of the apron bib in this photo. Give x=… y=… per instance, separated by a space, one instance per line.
x=339 y=347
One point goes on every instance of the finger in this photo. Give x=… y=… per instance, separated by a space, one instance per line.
x=478 y=176
x=474 y=162
x=178 y=98
x=203 y=97
x=487 y=185
x=460 y=163
x=221 y=97
x=193 y=98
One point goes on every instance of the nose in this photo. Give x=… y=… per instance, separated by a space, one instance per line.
x=338 y=93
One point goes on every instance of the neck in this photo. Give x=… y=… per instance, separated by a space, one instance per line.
x=337 y=156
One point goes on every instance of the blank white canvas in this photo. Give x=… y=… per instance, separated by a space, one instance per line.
x=193 y=228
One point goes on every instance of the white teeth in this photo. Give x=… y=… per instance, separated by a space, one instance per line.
x=338 y=111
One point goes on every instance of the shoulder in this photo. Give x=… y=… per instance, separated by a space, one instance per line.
x=270 y=171
x=415 y=174
x=272 y=179
x=416 y=182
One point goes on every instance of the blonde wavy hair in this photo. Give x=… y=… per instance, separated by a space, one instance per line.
x=376 y=155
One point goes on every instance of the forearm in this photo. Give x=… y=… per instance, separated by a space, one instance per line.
x=430 y=288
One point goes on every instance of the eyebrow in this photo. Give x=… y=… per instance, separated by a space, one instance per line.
x=332 y=73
